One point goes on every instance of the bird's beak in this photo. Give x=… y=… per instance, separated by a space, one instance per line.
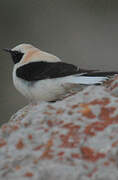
x=7 y=50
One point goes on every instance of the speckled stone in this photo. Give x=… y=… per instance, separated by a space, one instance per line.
x=72 y=139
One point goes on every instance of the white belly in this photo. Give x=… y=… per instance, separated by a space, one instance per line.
x=43 y=90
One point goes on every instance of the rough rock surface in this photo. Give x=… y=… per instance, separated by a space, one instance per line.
x=73 y=139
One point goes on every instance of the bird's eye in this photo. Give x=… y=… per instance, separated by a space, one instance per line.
x=16 y=56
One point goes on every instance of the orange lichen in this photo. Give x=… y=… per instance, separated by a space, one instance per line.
x=35 y=161
x=86 y=111
x=106 y=163
x=95 y=126
x=26 y=124
x=17 y=167
x=30 y=136
x=37 y=148
x=115 y=144
x=89 y=130
x=10 y=128
x=106 y=113
x=71 y=139
x=60 y=111
x=103 y=102
x=107 y=119
x=48 y=149
x=2 y=142
x=92 y=172
x=71 y=126
x=59 y=122
x=50 y=123
x=90 y=155
x=70 y=112
x=61 y=153
x=46 y=129
x=5 y=127
x=15 y=127
x=75 y=155
x=20 y=144
x=28 y=174
x=75 y=106
x=47 y=113
x=112 y=159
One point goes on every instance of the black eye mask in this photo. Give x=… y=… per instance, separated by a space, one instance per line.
x=16 y=56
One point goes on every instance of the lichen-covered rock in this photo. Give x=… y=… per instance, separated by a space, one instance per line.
x=73 y=139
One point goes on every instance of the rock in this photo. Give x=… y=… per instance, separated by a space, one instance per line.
x=72 y=139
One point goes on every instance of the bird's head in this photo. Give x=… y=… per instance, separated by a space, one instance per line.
x=25 y=53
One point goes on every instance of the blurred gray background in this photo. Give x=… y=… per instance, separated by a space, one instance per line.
x=83 y=32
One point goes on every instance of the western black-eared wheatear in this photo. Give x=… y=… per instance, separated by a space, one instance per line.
x=41 y=76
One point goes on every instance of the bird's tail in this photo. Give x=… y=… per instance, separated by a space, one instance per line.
x=92 y=78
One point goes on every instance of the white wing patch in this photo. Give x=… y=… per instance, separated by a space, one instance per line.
x=88 y=80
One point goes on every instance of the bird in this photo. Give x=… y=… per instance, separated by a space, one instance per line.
x=41 y=76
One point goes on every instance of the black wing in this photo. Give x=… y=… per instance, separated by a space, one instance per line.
x=47 y=70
